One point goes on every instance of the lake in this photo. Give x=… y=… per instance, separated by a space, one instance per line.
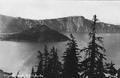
x=21 y=56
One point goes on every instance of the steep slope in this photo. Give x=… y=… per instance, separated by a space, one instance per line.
x=38 y=33
x=79 y=24
x=11 y=25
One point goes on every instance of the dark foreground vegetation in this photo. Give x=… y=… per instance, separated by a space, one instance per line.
x=88 y=62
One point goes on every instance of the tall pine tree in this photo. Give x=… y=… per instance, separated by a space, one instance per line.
x=54 y=64
x=70 y=66
x=42 y=70
x=93 y=65
x=39 y=72
x=45 y=61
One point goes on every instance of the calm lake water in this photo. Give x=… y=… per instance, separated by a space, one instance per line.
x=21 y=56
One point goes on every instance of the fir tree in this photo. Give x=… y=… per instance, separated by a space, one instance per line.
x=32 y=73
x=111 y=70
x=54 y=64
x=45 y=62
x=92 y=66
x=70 y=66
x=49 y=65
x=39 y=72
x=42 y=70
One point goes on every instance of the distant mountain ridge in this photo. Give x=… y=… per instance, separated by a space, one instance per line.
x=79 y=24
x=66 y=24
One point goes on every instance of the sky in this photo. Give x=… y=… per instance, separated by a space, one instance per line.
x=107 y=11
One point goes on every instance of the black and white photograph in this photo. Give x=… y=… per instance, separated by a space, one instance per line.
x=59 y=39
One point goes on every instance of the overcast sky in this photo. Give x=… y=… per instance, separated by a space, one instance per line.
x=107 y=11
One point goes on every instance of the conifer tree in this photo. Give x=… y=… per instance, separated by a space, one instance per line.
x=39 y=72
x=70 y=66
x=32 y=73
x=54 y=64
x=45 y=61
x=111 y=70
x=42 y=70
x=93 y=64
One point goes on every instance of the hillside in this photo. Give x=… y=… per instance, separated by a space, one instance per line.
x=66 y=24
x=79 y=24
